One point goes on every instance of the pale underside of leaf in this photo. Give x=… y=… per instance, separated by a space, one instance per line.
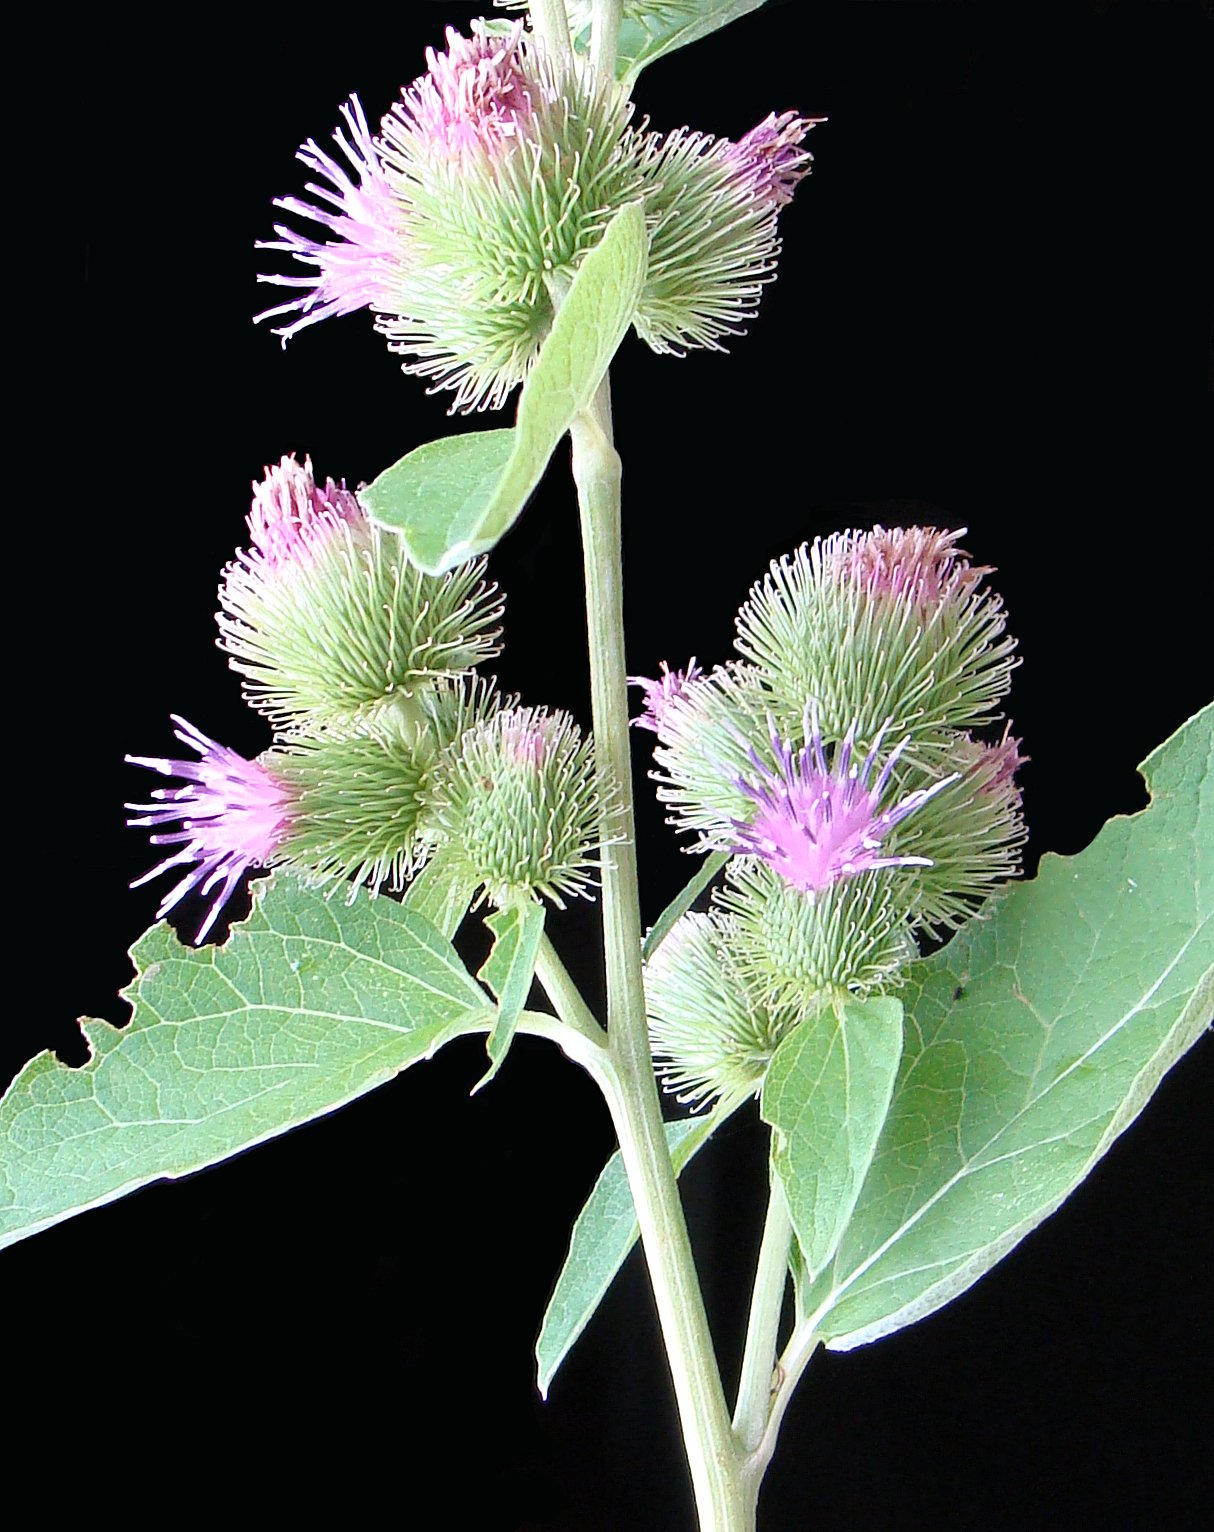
x=605 y=1231
x=509 y=971
x=309 y=1004
x=1033 y=1040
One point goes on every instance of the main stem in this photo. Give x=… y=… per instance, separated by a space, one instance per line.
x=718 y=1479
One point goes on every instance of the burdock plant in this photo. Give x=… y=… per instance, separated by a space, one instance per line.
x=938 y=1052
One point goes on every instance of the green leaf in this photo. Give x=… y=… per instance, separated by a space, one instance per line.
x=308 y=1004
x=455 y=498
x=441 y=893
x=682 y=902
x=1032 y=1041
x=826 y=1094
x=650 y=30
x=605 y=1231
x=508 y=971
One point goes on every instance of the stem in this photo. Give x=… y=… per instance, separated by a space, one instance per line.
x=722 y=1490
x=550 y=23
x=755 y=1388
x=604 y=37
x=566 y=998
x=801 y=1346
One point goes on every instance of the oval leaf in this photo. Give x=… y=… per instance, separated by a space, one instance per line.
x=307 y=1005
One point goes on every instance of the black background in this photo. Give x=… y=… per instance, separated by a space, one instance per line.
x=993 y=312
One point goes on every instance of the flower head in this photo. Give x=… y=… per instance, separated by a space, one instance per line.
x=816 y=824
x=363 y=264
x=494 y=174
x=328 y=620
x=515 y=799
x=892 y=624
x=231 y=815
x=659 y=694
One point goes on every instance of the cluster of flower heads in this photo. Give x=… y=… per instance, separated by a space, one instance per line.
x=842 y=763
x=491 y=177
x=388 y=746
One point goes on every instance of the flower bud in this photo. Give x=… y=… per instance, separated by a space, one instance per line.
x=880 y=627
x=515 y=800
x=712 y=1032
x=969 y=836
x=326 y=618
x=800 y=949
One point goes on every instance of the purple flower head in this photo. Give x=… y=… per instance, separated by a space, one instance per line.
x=361 y=265
x=232 y=814
x=816 y=823
x=659 y=694
x=771 y=154
x=475 y=98
x=919 y=565
x=292 y=515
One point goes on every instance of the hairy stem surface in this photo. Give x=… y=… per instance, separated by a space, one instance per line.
x=718 y=1478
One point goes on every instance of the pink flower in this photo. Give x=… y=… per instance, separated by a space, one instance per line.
x=361 y=266
x=771 y=155
x=919 y=565
x=292 y=515
x=817 y=824
x=232 y=814
x=475 y=98
x=659 y=694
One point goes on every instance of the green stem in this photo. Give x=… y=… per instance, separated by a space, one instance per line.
x=755 y=1388
x=550 y=23
x=604 y=36
x=796 y=1358
x=721 y=1488
x=566 y=998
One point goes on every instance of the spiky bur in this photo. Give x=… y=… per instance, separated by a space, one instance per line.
x=713 y=207
x=799 y=950
x=516 y=802
x=883 y=625
x=709 y=728
x=329 y=809
x=968 y=837
x=712 y=1031
x=496 y=171
x=327 y=619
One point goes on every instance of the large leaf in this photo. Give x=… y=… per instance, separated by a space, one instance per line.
x=826 y=1094
x=605 y=1231
x=455 y=498
x=509 y=971
x=309 y=1004
x=1032 y=1041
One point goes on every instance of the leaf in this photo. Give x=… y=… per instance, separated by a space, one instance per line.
x=605 y=1231
x=826 y=1094
x=307 y=1005
x=653 y=28
x=438 y=496
x=508 y=971
x=455 y=498
x=682 y=902
x=1033 y=1040
x=441 y=893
